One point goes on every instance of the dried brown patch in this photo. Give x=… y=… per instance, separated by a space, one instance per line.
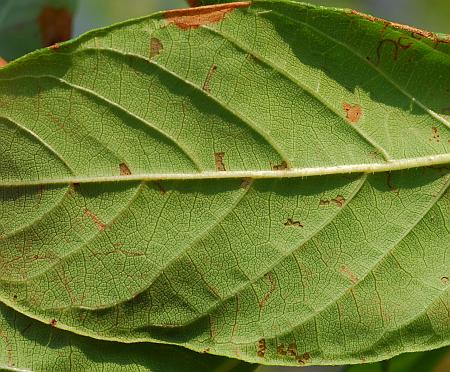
x=161 y=189
x=124 y=170
x=291 y=223
x=273 y=286
x=9 y=349
x=339 y=201
x=444 y=280
x=281 y=349
x=211 y=72
x=282 y=166
x=2 y=62
x=195 y=17
x=397 y=44
x=304 y=358
x=389 y=183
x=101 y=226
x=53 y=322
x=218 y=158
x=55 y=25
x=436 y=136
x=349 y=274
x=156 y=47
x=246 y=182
x=353 y=112
x=262 y=348
x=416 y=33
x=292 y=349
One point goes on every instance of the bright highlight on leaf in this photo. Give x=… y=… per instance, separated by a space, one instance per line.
x=261 y=180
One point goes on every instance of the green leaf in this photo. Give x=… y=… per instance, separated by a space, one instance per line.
x=429 y=361
x=27 y=25
x=266 y=182
x=28 y=345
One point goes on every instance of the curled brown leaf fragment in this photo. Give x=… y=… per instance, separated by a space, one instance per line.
x=193 y=18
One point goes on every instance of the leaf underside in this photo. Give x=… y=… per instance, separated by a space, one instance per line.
x=152 y=184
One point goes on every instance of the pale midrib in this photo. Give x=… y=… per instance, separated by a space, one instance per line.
x=394 y=165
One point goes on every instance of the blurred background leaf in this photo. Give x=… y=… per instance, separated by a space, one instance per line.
x=430 y=361
x=26 y=25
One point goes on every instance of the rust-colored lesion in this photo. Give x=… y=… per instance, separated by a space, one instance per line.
x=206 y=85
x=191 y=18
x=124 y=169
x=273 y=286
x=353 y=112
x=218 y=159
x=261 y=348
x=156 y=47
x=95 y=219
x=55 y=25
x=3 y=62
x=415 y=32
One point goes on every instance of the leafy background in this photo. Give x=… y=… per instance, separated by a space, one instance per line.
x=429 y=14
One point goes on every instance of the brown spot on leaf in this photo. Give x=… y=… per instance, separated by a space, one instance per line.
x=218 y=158
x=353 y=112
x=55 y=25
x=161 y=189
x=273 y=286
x=261 y=350
x=397 y=44
x=436 y=136
x=53 y=322
x=349 y=274
x=155 y=47
x=415 y=32
x=211 y=72
x=101 y=226
x=304 y=358
x=389 y=183
x=281 y=349
x=2 y=62
x=290 y=222
x=195 y=17
x=245 y=182
x=444 y=280
x=292 y=349
x=124 y=170
x=339 y=201
x=54 y=46
x=282 y=166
